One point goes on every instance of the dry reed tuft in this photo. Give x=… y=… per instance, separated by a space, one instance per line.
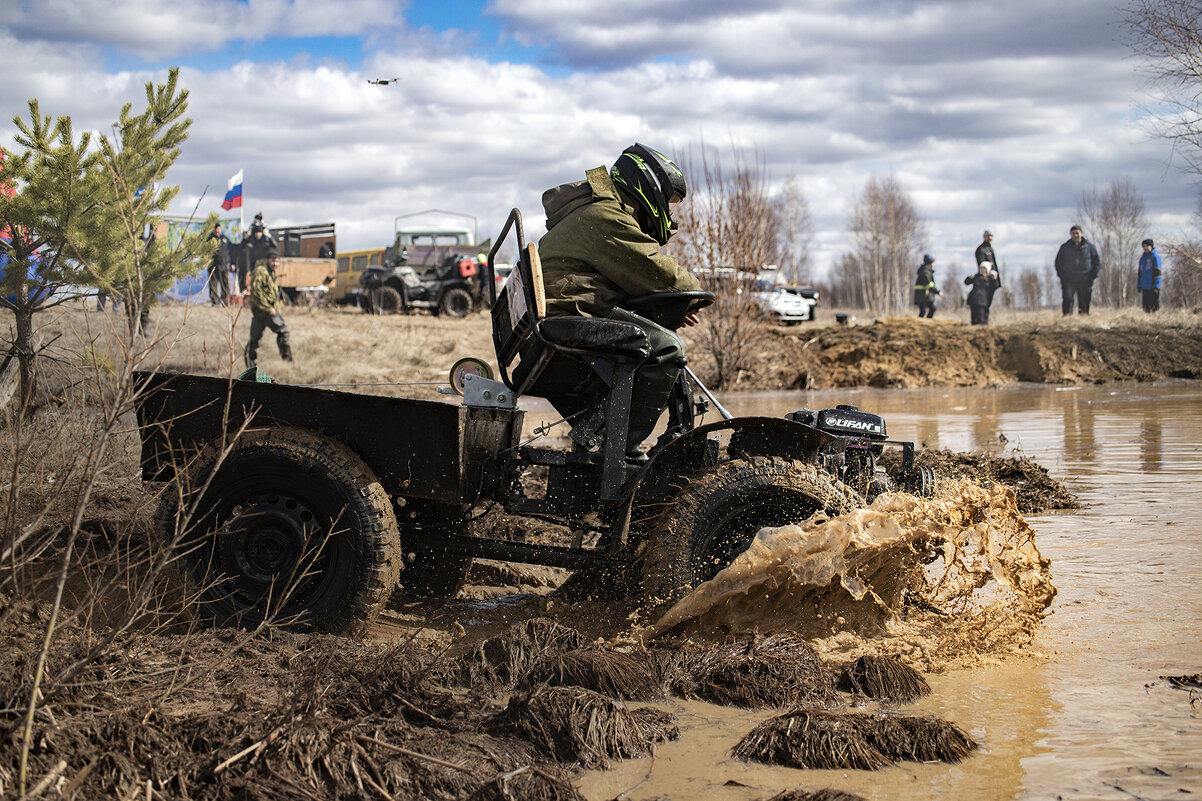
x=884 y=678
x=779 y=670
x=921 y=739
x=812 y=740
x=503 y=660
x=527 y=783
x=816 y=739
x=822 y=794
x=627 y=677
x=572 y=724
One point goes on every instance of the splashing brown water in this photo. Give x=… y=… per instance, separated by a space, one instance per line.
x=944 y=581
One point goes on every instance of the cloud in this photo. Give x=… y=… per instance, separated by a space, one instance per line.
x=163 y=29
x=988 y=116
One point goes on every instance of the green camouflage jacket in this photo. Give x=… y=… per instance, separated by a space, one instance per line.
x=594 y=253
x=264 y=295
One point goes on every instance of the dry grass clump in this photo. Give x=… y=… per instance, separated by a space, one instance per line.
x=527 y=783
x=884 y=678
x=235 y=715
x=920 y=739
x=503 y=660
x=628 y=677
x=821 y=740
x=572 y=724
x=779 y=670
x=812 y=740
x=822 y=794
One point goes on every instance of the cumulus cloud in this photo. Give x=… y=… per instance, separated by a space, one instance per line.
x=990 y=116
x=159 y=29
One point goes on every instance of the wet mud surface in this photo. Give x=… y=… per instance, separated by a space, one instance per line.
x=506 y=697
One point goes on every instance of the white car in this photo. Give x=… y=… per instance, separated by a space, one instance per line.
x=787 y=304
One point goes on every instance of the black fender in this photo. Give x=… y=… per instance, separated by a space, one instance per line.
x=692 y=453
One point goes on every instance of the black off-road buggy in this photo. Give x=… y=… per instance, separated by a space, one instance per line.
x=311 y=507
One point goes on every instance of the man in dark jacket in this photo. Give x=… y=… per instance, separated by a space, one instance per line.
x=602 y=246
x=254 y=248
x=985 y=253
x=219 y=268
x=1149 y=277
x=1077 y=265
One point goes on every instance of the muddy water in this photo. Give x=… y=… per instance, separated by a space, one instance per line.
x=1089 y=717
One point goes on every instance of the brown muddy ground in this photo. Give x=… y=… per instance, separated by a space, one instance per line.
x=225 y=715
x=412 y=354
x=1036 y=347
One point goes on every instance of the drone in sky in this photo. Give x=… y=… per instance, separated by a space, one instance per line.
x=382 y=81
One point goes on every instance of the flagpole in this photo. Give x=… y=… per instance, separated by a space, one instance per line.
x=242 y=209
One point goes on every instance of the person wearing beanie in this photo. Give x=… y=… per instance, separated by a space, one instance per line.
x=1149 y=277
x=925 y=290
x=985 y=252
x=1077 y=266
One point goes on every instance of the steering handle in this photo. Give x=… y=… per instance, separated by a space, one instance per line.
x=669 y=308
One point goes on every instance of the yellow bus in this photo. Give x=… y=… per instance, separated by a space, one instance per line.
x=351 y=264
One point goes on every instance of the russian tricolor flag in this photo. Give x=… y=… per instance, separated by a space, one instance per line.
x=233 y=195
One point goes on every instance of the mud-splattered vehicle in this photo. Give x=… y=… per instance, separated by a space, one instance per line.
x=313 y=506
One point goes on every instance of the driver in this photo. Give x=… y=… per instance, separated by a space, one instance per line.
x=602 y=246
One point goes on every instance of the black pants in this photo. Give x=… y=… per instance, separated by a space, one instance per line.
x=1081 y=289
x=260 y=321
x=980 y=314
x=926 y=309
x=571 y=385
x=219 y=285
x=1151 y=299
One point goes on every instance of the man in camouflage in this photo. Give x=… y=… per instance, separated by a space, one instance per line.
x=263 y=297
x=602 y=246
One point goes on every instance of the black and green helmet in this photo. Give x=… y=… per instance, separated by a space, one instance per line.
x=654 y=182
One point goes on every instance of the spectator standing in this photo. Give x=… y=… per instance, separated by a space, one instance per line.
x=254 y=249
x=1149 y=277
x=219 y=268
x=925 y=290
x=264 y=300
x=985 y=253
x=1077 y=265
x=984 y=283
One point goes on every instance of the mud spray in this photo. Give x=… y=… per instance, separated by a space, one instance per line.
x=945 y=582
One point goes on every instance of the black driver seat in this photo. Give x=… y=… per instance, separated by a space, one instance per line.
x=583 y=365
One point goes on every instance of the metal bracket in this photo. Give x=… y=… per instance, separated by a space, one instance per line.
x=486 y=393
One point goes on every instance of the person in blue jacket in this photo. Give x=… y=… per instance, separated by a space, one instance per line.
x=1149 y=277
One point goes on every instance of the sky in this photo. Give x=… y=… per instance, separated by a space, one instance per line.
x=989 y=115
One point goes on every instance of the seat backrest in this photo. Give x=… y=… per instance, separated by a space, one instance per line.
x=518 y=308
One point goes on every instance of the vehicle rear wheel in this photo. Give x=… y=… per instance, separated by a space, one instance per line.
x=291 y=528
x=456 y=302
x=718 y=515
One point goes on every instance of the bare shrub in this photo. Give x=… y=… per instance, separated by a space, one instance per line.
x=730 y=228
x=1114 y=220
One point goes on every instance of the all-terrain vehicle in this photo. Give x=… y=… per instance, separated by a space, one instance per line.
x=313 y=506
x=454 y=287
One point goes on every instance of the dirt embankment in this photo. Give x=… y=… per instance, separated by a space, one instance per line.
x=902 y=352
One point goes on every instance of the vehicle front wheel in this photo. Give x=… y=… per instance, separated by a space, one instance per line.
x=290 y=529
x=718 y=515
x=384 y=300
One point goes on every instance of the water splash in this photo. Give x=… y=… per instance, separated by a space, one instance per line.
x=943 y=581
